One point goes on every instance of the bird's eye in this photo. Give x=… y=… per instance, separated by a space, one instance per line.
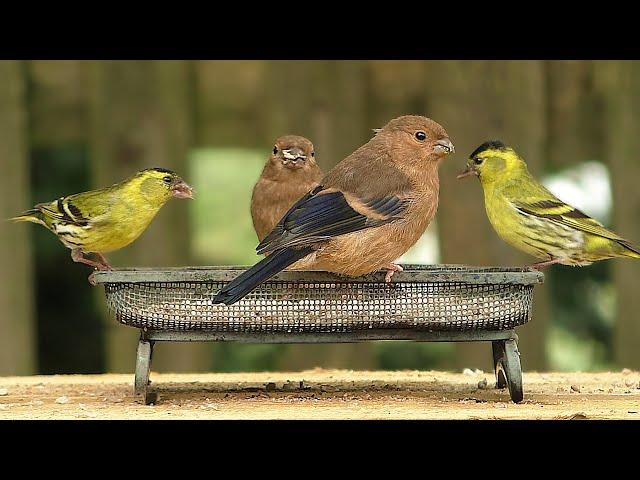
x=275 y=149
x=167 y=179
x=313 y=154
x=421 y=136
x=478 y=160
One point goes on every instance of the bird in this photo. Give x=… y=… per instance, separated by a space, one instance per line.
x=366 y=212
x=290 y=172
x=101 y=221
x=530 y=218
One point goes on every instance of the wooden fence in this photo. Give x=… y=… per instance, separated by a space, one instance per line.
x=132 y=114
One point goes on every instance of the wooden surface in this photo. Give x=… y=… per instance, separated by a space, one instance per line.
x=324 y=394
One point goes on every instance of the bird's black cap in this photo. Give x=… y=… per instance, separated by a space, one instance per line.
x=161 y=170
x=490 y=145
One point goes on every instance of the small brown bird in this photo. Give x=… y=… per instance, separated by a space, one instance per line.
x=366 y=212
x=290 y=172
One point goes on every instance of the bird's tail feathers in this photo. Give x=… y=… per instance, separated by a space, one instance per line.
x=259 y=273
x=33 y=215
x=631 y=250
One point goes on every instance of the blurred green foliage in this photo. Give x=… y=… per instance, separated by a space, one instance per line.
x=220 y=218
x=583 y=307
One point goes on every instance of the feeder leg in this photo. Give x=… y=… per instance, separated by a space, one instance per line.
x=498 y=354
x=508 y=368
x=143 y=369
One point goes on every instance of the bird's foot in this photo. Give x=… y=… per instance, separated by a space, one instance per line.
x=78 y=257
x=545 y=264
x=391 y=269
x=104 y=264
x=103 y=267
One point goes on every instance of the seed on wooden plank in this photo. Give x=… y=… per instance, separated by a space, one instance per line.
x=289 y=386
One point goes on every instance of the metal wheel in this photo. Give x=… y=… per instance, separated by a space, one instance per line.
x=143 y=370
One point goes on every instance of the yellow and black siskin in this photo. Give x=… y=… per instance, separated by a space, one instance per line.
x=101 y=221
x=530 y=218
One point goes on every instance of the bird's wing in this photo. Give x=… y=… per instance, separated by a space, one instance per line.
x=79 y=210
x=325 y=213
x=555 y=210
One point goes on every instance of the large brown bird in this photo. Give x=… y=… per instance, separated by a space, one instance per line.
x=366 y=212
x=290 y=172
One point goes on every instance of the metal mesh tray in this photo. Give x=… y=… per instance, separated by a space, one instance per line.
x=433 y=298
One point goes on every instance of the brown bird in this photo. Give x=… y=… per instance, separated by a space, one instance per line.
x=366 y=212
x=290 y=172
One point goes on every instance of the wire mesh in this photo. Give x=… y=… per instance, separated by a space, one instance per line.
x=307 y=306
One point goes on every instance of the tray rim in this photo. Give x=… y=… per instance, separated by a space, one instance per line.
x=413 y=273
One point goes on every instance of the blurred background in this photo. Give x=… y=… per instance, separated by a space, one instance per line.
x=69 y=126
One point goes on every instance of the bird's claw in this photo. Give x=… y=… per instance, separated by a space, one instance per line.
x=391 y=269
x=542 y=265
x=103 y=264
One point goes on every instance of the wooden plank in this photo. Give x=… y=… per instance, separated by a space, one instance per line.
x=17 y=334
x=477 y=101
x=324 y=394
x=229 y=109
x=141 y=116
x=58 y=100
x=619 y=82
x=396 y=87
x=325 y=101
x=574 y=117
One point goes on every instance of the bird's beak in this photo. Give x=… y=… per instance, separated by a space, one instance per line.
x=467 y=172
x=182 y=190
x=444 y=146
x=295 y=156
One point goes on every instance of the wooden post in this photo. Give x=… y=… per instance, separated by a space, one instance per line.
x=57 y=103
x=229 y=110
x=477 y=101
x=141 y=116
x=17 y=335
x=620 y=83
x=574 y=117
x=323 y=100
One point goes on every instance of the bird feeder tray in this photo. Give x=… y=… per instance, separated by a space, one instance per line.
x=448 y=303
